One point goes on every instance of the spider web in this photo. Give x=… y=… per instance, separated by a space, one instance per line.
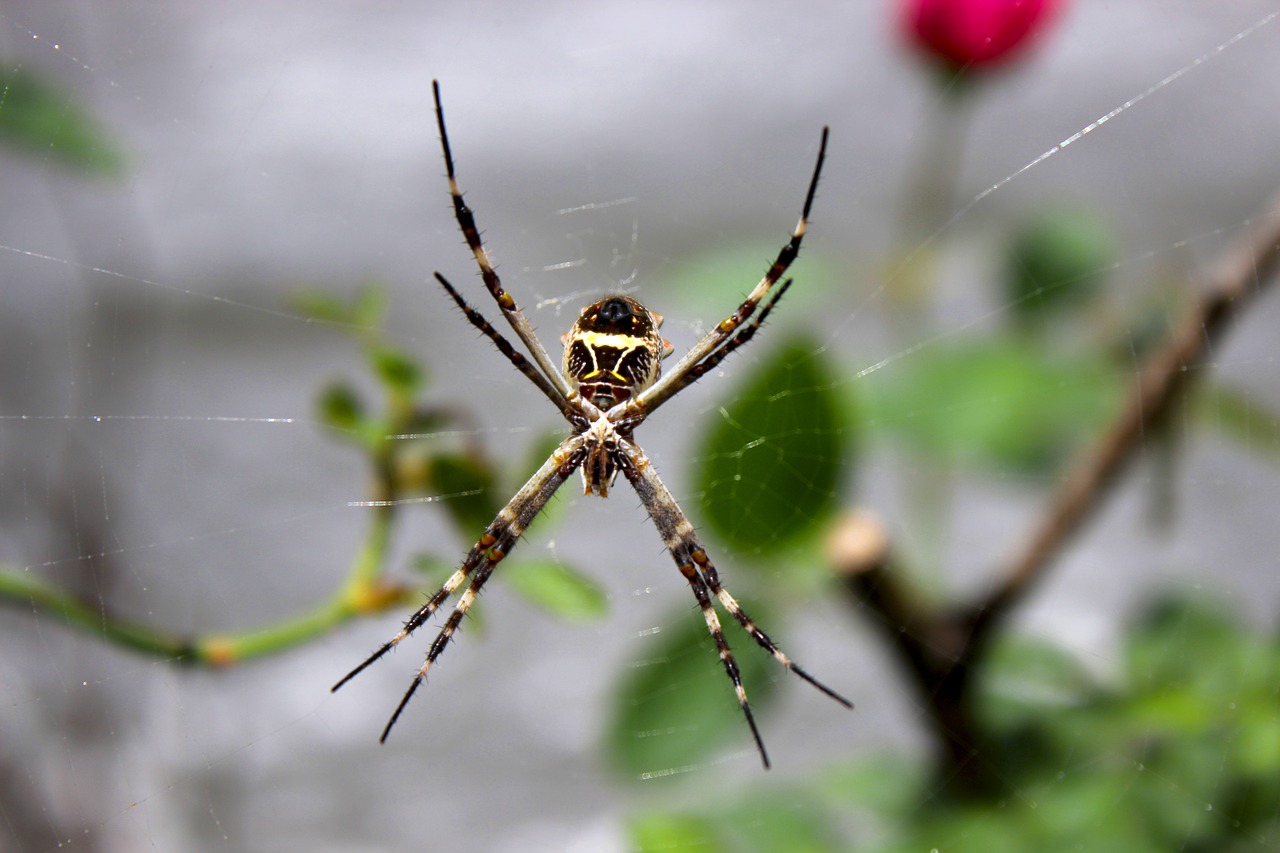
x=160 y=453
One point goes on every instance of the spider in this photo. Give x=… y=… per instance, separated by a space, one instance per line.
x=609 y=383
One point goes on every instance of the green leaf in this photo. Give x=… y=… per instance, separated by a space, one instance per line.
x=1057 y=262
x=1241 y=418
x=714 y=281
x=363 y=312
x=667 y=833
x=1174 y=638
x=466 y=482
x=323 y=306
x=999 y=403
x=43 y=121
x=369 y=307
x=889 y=784
x=775 y=458
x=676 y=707
x=340 y=407
x=1024 y=676
x=397 y=370
x=776 y=822
x=558 y=589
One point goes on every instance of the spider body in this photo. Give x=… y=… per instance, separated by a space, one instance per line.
x=610 y=383
x=613 y=351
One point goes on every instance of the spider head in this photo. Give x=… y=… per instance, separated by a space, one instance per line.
x=613 y=350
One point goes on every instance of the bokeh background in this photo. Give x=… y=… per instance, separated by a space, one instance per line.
x=161 y=455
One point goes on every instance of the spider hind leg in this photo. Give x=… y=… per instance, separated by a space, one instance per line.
x=699 y=587
x=696 y=567
x=712 y=579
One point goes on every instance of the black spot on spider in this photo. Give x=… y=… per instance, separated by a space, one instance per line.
x=615 y=313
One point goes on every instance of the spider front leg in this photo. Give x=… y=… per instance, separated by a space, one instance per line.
x=691 y=558
x=666 y=387
x=517 y=359
x=628 y=420
x=471 y=233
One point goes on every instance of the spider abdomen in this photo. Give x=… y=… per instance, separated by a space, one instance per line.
x=613 y=351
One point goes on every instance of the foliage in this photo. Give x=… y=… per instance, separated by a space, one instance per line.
x=674 y=709
x=39 y=119
x=1057 y=258
x=406 y=441
x=1179 y=750
x=773 y=463
x=1001 y=403
x=771 y=470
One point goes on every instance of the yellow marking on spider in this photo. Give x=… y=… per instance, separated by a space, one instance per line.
x=593 y=374
x=618 y=368
x=626 y=343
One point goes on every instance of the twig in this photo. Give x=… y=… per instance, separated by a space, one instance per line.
x=1239 y=275
x=941 y=646
x=364 y=593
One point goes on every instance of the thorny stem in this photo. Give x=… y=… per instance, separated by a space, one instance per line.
x=941 y=648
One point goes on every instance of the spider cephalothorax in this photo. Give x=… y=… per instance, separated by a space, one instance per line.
x=610 y=384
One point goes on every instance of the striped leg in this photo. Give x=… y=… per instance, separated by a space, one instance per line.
x=662 y=390
x=504 y=346
x=496 y=541
x=702 y=368
x=514 y=519
x=681 y=540
x=446 y=634
x=467 y=223
x=423 y=613
x=680 y=552
x=730 y=604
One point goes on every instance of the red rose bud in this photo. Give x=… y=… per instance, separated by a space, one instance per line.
x=967 y=34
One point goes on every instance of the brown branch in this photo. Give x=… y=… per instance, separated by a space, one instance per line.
x=940 y=646
x=932 y=643
x=1239 y=275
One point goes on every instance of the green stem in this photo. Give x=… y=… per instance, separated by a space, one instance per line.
x=18 y=587
x=361 y=594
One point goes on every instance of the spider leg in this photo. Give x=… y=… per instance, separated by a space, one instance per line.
x=682 y=542
x=662 y=390
x=712 y=579
x=496 y=542
x=539 y=490
x=513 y=355
x=446 y=634
x=467 y=223
x=713 y=358
x=699 y=587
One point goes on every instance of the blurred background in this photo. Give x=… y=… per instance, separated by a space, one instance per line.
x=193 y=198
